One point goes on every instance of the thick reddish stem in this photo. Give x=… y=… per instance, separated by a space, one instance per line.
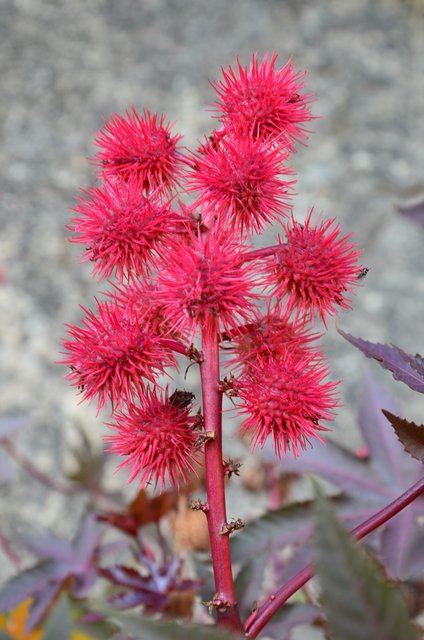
x=256 y=622
x=228 y=614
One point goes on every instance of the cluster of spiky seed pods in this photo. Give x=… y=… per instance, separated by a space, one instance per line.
x=175 y=229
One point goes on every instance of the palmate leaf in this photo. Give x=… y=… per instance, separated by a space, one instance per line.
x=411 y=435
x=147 y=629
x=151 y=584
x=359 y=603
x=273 y=530
x=61 y=560
x=25 y=584
x=261 y=540
x=416 y=362
x=48 y=546
x=404 y=367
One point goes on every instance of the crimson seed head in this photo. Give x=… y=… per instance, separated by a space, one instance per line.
x=240 y=183
x=157 y=438
x=286 y=402
x=112 y=353
x=264 y=101
x=185 y=270
x=141 y=146
x=121 y=228
x=314 y=269
x=202 y=282
x=270 y=337
x=139 y=298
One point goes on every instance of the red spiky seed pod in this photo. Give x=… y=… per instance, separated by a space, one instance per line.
x=264 y=102
x=121 y=228
x=286 y=402
x=202 y=282
x=314 y=270
x=240 y=183
x=113 y=354
x=140 y=146
x=270 y=337
x=158 y=439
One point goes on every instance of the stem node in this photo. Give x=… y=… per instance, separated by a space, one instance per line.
x=198 y=505
x=230 y=527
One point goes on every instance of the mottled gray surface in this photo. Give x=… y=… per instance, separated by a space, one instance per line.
x=66 y=64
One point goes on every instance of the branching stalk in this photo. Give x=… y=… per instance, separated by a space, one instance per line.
x=224 y=600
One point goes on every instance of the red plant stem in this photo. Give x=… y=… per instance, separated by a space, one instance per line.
x=175 y=345
x=274 y=493
x=9 y=552
x=228 y=614
x=259 y=618
x=36 y=473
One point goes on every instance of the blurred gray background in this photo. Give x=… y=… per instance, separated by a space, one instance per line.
x=67 y=64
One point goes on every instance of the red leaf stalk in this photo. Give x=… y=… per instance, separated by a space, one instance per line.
x=259 y=618
x=224 y=600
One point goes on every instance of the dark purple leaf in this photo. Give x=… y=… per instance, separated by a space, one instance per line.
x=301 y=557
x=149 y=599
x=44 y=581
x=413 y=210
x=25 y=585
x=84 y=581
x=144 y=628
x=86 y=541
x=126 y=577
x=9 y=426
x=248 y=583
x=41 y=603
x=358 y=602
x=343 y=469
x=414 y=557
x=391 y=358
x=272 y=531
x=398 y=536
x=47 y=546
x=411 y=435
x=386 y=456
x=416 y=362
x=291 y=616
x=151 y=589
